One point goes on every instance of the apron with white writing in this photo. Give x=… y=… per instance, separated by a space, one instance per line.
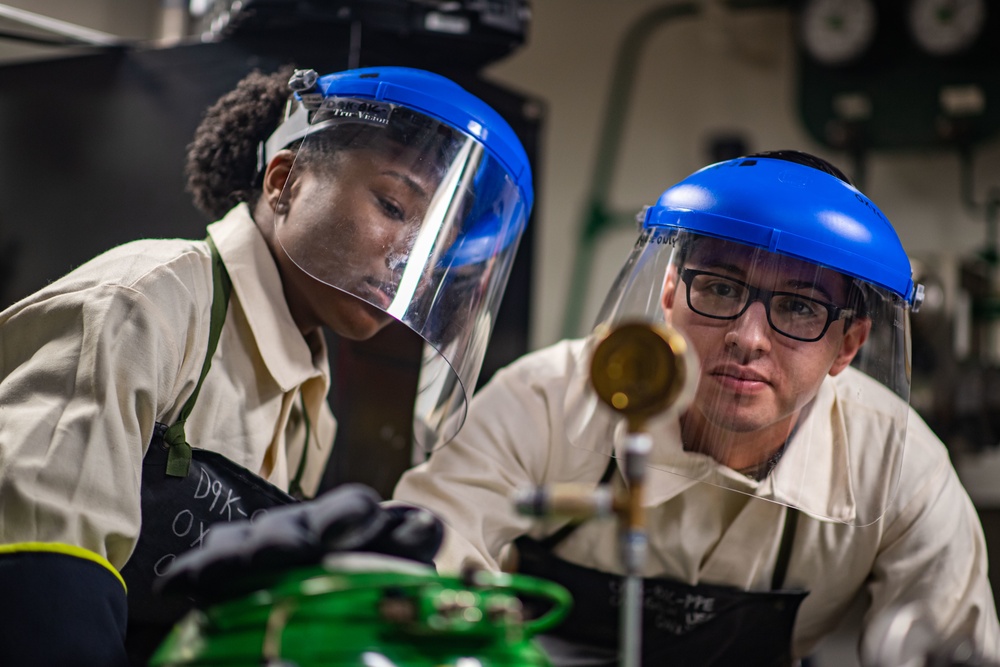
x=682 y=625
x=184 y=491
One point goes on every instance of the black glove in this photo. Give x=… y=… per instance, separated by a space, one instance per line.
x=239 y=557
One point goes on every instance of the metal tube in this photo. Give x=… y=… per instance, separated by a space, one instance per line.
x=57 y=27
x=633 y=547
x=631 y=622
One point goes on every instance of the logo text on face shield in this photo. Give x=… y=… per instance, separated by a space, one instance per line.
x=658 y=240
x=369 y=112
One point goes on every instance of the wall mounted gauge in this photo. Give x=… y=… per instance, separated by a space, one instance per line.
x=946 y=27
x=926 y=76
x=837 y=32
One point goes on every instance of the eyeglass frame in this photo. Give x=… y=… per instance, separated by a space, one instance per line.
x=834 y=313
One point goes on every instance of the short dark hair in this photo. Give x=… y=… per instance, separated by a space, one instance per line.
x=803 y=158
x=857 y=294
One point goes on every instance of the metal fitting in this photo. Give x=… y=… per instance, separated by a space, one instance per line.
x=303 y=80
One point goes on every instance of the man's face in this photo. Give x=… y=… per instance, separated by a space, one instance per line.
x=754 y=379
x=352 y=224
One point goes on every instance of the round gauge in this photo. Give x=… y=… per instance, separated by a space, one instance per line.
x=946 y=27
x=837 y=32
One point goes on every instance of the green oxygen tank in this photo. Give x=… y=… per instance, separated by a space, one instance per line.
x=368 y=610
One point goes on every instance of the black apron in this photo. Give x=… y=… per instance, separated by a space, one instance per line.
x=185 y=490
x=682 y=625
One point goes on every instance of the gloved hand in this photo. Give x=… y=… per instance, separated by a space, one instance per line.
x=239 y=556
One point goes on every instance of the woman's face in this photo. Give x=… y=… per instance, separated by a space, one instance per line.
x=343 y=231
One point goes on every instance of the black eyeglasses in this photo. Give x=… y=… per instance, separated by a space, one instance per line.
x=792 y=315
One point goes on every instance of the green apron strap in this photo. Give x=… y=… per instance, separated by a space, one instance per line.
x=295 y=487
x=785 y=550
x=179 y=455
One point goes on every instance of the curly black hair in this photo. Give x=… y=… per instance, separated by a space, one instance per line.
x=221 y=164
x=222 y=169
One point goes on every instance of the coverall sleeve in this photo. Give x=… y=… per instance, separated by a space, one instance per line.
x=85 y=370
x=505 y=444
x=933 y=553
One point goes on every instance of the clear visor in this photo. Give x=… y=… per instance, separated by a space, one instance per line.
x=417 y=220
x=800 y=391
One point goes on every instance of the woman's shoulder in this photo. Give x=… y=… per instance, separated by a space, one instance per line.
x=162 y=270
x=138 y=262
x=153 y=281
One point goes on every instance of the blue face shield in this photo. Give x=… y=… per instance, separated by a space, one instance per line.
x=422 y=195
x=794 y=294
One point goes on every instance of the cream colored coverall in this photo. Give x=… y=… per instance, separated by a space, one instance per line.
x=90 y=362
x=533 y=425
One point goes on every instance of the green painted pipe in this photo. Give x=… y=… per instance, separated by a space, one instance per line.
x=598 y=217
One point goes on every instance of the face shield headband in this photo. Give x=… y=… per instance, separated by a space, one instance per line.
x=416 y=218
x=803 y=374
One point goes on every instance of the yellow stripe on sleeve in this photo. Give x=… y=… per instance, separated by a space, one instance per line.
x=66 y=550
